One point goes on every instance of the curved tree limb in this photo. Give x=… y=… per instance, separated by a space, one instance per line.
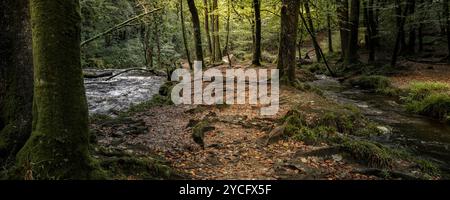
x=133 y=69
x=118 y=26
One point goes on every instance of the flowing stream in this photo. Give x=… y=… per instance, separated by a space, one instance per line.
x=425 y=137
x=121 y=92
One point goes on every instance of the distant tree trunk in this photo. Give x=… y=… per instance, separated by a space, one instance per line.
x=420 y=36
x=366 y=23
x=411 y=47
x=147 y=44
x=208 y=34
x=158 y=31
x=197 y=32
x=227 y=41
x=217 y=32
x=330 y=33
x=257 y=47
x=58 y=146
x=311 y=27
x=213 y=30
x=352 y=56
x=342 y=12
x=373 y=24
x=400 y=33
x=447 y=22
x=288 y=36
x=183 y=29
x=16 y=77
x=420 y=29
x=300 y=41
x=400 y=24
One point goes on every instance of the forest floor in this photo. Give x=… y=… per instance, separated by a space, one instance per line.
x=236 y=148
x=421 y=72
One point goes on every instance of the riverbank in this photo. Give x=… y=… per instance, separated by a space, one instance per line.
x=240 y=144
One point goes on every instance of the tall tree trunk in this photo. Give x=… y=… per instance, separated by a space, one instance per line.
x=372 y=29
x=257 y=47
x=197 y=32
x=58 y=146
x=400 y=33
x=311 y=27
x=352 y=56
x=183 y=29
x=227 y=41
x=208 y=34
x=147 y=44
x=288 y=36
x=447 y=22
x=330 y=33
x=411 y=47
x=158 y=30
x=217 y=46
x=420 y=29
x=213 y=30
x=16 y=77
x=342 y=12
x=401 y=24
x=300 y=41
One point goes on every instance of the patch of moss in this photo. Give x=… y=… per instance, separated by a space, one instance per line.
x=376 y=83
x=372 y=154
x=199 y=131
x=156 y=100
x=420 y=90
x=430 y=99
x=307 y=88
x=118 y=165
x=428 y=167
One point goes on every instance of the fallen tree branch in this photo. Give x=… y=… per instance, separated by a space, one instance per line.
x=94 y=75
x=134 y=69
x=118 y=26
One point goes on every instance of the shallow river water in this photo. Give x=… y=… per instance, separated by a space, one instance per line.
x=426 y=137
x=121 y=92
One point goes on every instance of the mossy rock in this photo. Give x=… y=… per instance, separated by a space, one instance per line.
x=199 y=131
x=371 y=82
x=370 y=153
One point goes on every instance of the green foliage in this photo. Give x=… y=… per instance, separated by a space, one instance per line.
x=371 y=82
x=430 y=99
x=375 y=83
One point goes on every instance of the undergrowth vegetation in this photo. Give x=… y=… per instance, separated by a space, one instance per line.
x=346 y=128
x=430 y=99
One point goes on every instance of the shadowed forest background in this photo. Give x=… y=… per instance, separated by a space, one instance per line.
x=85 y=89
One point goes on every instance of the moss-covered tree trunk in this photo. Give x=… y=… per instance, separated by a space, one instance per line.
x=288 y=37
x=197 y=31
x=16 y=77
x=342 y=12
x=257 y=44
x=58 y=146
